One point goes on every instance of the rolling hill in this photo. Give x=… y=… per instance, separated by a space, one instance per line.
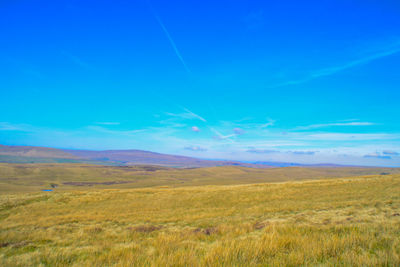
x=140 y=157
x=31 y=154
x=35 y=152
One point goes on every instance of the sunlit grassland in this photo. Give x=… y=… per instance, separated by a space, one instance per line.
x=347 y=221
x=35 y=177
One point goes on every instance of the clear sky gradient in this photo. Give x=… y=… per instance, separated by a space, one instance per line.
x=298 y=81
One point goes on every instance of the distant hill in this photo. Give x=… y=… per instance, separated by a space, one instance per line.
x=132 y=157
x=35 y=152
x=31 y=154
x=278 y=164
x=292 y=164
x=140 y=157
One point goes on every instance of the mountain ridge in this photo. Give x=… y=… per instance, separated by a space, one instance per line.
x=131 y=157
x=35 y=154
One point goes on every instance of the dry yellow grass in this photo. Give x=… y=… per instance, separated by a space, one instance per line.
x=338 y=222
x=35 y=177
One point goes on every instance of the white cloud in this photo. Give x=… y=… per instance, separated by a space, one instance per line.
x=256 y=145
x=377 y=155
x=238 y=131
x=390 y=152
x=195 y=129
x=316 y=126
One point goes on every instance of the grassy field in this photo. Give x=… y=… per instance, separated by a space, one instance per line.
x=39 y=160
x=36 y=177
x=352 y=221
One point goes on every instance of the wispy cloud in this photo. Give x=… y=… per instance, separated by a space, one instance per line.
x=178 y=54
x=262 y=151
x=180 y=120
x=195 y=148
x=77 y=60
x=270 y=151
x=244 y=125
x=300 y=147
x=315 y=126
x=393 y=49
x=350 y=136
x=238 y=131
x=108 y=123
x=389 y=152
x=302 y=152
x=377 y=155
x=269 y=123
x=254 y=20
x=220 y=136
x=194 y=115
x=114 y=132
x=6 y=126
x=187 y=115
x=26 y=68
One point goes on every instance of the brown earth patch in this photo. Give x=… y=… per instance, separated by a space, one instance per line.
x=4 y=244
x=206 y=231
x=145 y=228
x=14 y=245
x=96 y=183
x=260 y=225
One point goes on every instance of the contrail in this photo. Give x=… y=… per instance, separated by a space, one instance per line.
x=348 y=65
x=194 y=114
x=178 y=54
x=221 y=136
x=76 y=60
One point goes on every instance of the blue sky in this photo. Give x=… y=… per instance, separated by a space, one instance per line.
x=299 y=81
